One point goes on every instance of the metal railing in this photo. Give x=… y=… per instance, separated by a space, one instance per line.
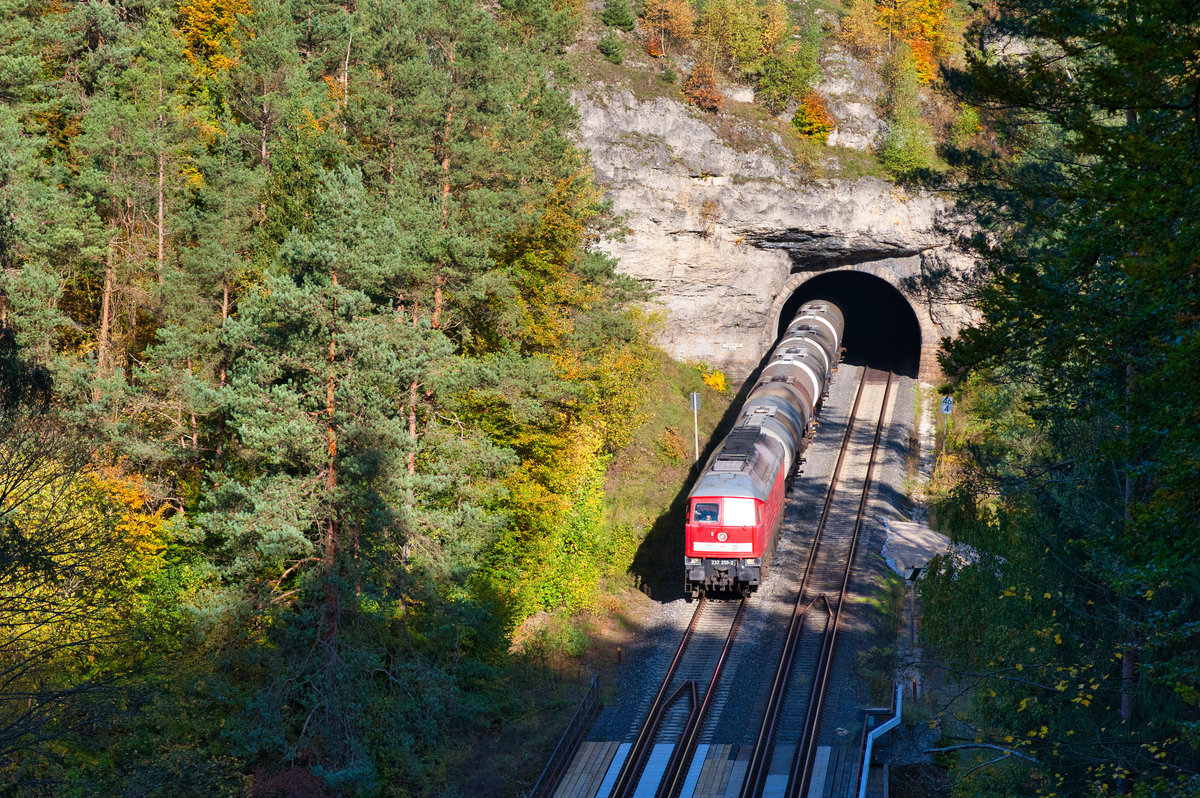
x=571 y=737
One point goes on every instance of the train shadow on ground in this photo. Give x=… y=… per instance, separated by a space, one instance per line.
x=657 y=566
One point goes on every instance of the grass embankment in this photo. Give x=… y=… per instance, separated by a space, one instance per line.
x=648 y=481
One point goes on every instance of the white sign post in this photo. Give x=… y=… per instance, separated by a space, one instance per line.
x=696 y=423
x=947 y=408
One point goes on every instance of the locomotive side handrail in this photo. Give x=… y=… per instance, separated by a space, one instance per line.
x=568 y=742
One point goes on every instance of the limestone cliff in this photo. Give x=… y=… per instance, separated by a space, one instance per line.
x=725 y=227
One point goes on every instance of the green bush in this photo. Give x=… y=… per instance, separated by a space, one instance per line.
x=617 y=14
x=904 y=86
x=784 y=78
x=908 y=149
x=610 y=47
x=965 y=127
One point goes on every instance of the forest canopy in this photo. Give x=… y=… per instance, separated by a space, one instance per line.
x=1074 y=481
x=310 y=383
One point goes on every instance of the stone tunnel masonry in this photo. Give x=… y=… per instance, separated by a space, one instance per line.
x=892 y=271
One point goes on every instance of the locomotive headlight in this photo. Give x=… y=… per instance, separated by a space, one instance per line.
x=753 y=561
x=721 y=536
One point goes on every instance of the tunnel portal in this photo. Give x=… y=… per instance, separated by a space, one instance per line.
x=882 y=330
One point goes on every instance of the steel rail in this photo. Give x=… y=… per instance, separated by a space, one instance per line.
x=640 y=750
x=671 y=780
x=802 y=761
x=756 y=771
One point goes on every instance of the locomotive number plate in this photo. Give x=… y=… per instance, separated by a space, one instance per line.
x=723 y=562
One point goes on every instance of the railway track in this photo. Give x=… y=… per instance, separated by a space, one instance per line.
x=656 y=756
x=675 y=715
x=792 y=717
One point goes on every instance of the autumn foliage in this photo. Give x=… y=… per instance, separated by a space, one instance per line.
x=923 y=25
x=667 y=22
x=700 y=89
x=208 y=31
x=813 y=119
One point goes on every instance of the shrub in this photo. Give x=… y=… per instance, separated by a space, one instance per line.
x=965 y=127
x=668 y=74
x=671 y=446
x=904 y=89
x=611 y=48
x=908 y=149
x=667 y=21
x=812 y=119
x=860 y=27
x=618 y=14
x=784 y=77
x=713 y=377
x=700 y=89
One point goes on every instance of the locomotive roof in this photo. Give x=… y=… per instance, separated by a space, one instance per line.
x=745 y=465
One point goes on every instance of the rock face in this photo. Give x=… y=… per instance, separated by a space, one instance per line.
x=854 y=91
x=725 y=234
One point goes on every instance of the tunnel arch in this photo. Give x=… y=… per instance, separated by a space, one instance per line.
x=883 y=329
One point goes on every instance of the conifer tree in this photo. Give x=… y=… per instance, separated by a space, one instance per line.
x=315 y=401
x=1081 y=477
x=618 y=14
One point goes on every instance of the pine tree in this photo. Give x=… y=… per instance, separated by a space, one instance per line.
x=618 y=14
x=1085 y=358
x=316 y=402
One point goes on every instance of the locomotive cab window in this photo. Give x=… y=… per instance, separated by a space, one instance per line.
x=739 y=512
x=705 y=513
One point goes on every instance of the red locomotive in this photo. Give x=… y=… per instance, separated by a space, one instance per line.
x=737 y=502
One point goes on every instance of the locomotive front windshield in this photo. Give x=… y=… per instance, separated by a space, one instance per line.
x=739 y=512
x=706 y=513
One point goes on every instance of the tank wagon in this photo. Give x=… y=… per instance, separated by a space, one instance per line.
x=734 y=509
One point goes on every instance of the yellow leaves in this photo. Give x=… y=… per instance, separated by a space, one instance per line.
x=124 y=499
x=713 y=377
x=774 y=27
x=1009 y=592
x=1058 y=639
x=1024 y=703
x=207 y=27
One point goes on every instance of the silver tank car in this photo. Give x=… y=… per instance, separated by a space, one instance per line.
x=725 y=544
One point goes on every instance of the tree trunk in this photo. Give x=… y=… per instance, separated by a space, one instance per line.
x=102 y=342
x=412 y=418
x=162 y=179
x=439 y=278
x=264 y=156
x=332 y=599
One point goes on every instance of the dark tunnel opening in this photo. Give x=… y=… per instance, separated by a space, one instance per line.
x=881 y=328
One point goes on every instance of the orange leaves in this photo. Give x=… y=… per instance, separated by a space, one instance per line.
x=207 y=27
x=812 y=119
x=667 y=21
x=922 y=25
x=127 y=497
x=700 y=89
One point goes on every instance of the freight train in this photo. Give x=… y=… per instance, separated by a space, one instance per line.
x=735 y=507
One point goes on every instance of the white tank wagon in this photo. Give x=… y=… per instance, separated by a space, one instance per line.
x=736 y=505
